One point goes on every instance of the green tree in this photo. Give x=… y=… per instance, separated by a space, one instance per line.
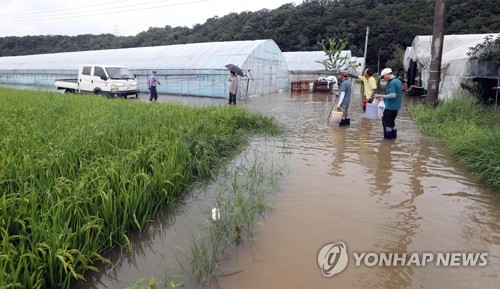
x=396 y=62
x=489 y=49
x=333 y=50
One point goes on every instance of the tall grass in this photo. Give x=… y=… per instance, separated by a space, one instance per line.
x=470 y=131
x=77 y=173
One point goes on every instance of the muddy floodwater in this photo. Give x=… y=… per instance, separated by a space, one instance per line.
x=343 y=185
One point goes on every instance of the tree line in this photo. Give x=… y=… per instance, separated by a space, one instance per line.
x=393 y=25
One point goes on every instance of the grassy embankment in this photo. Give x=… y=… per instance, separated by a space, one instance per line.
x=470 y=131
x=77 y=173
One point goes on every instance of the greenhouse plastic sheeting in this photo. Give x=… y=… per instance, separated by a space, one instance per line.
x=304 y=64
x=422 y=45
x=456 y=67
x=187 y=69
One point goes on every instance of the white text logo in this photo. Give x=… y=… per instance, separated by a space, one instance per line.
x=421 y=259
x=333 y=259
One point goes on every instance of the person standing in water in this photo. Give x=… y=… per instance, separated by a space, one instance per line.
x=392 y=100
x=369 y=85
x=344 y=98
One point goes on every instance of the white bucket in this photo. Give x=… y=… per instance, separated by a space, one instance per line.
x=371 y=111
x=215 y=214
x=336 y=116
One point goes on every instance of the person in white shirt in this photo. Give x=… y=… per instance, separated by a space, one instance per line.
x=152 y=82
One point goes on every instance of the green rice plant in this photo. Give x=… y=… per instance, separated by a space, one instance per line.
x=78 y=173
x=173 y=285
x=152 y=283
x=470 y=131
x=242 y=197
x=205 y=257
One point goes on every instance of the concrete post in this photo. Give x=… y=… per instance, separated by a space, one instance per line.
x=436 y=52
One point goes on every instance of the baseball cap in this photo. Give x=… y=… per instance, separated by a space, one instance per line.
x=385 y=71
x=154 y=71
x=344 y=73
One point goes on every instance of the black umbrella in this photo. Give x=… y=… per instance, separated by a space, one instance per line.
x=234 y=69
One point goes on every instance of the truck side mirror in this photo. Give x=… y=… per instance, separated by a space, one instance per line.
x=103 y=77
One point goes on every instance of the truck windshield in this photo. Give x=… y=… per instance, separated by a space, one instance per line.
x=119 y=73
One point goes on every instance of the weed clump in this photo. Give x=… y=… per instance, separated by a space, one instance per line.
x=470 y=131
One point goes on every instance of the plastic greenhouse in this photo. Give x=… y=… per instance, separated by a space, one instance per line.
x=303 y=64
x=456 y=66
x=196 y=69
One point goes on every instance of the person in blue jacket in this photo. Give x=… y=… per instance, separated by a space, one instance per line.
x=392 y=100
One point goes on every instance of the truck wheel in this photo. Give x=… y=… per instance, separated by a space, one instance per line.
x=69 y=90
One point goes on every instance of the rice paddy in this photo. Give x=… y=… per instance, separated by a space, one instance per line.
x=78 y=173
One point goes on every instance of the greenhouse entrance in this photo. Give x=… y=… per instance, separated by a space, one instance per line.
x=487 y=95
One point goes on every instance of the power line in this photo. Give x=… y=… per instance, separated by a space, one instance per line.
x=121 y=9
x=108 y=12
x=87 y=4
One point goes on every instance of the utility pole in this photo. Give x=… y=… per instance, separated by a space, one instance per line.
x=366 y=47
x=436 y=52
x=496 y=96
x=378 y=62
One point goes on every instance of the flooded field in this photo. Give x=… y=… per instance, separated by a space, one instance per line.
x=344 y=184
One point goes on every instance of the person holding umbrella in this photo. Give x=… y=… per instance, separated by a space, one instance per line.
x=233 y=88
x=233 y=82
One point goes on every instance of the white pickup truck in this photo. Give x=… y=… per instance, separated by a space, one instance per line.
x=109 y=80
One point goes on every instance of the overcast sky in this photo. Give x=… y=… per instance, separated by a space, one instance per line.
x=122 y=18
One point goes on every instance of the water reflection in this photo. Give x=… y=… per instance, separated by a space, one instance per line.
x=339 y=146
x=154 y=250
x=345 y=184
x=400 y=196
x=383 y=169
